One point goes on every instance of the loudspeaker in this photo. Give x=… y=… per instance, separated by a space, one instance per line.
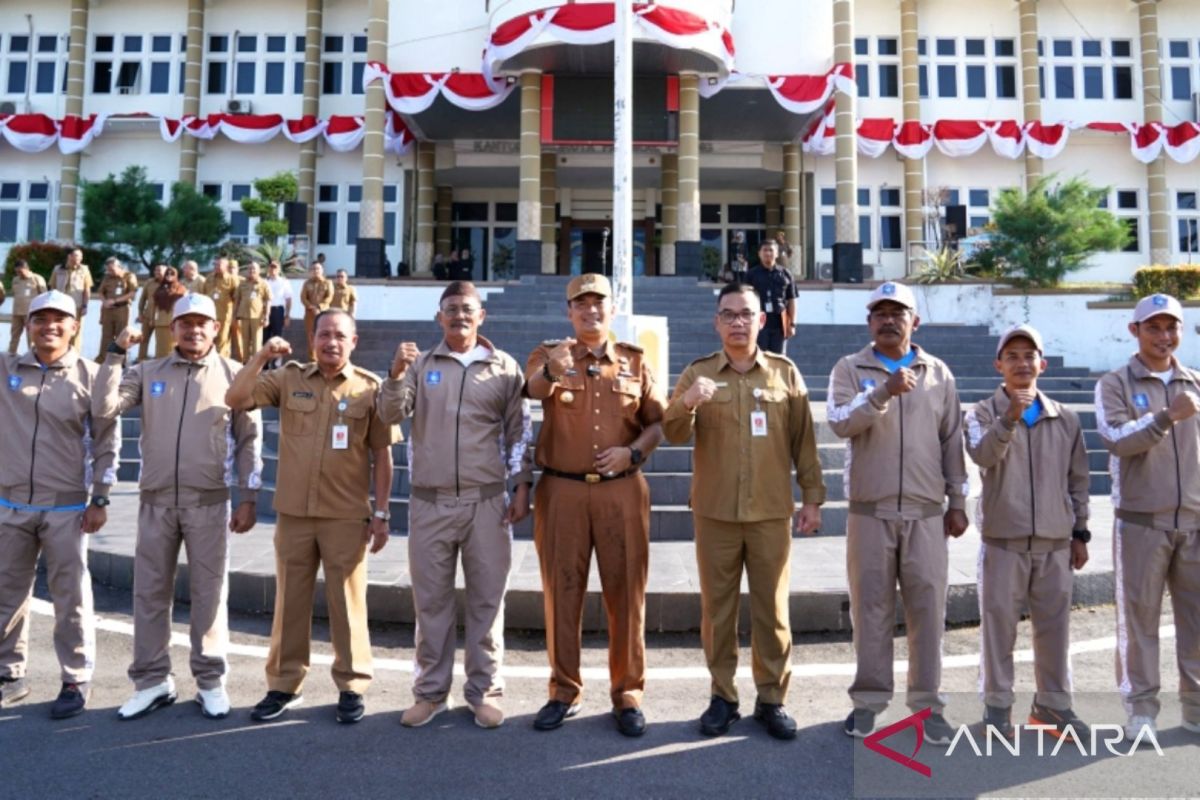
x=369 y=259
x=956 y=222
x=847 y=262
x=296 y=214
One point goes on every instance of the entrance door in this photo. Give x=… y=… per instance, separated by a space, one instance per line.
x=590 y=250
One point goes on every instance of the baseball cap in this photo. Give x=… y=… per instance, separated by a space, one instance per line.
x=55 y=300
x=1026 y=331
x=1157 y=304
x=895 y=292
x=589 y=283
x=200 y=304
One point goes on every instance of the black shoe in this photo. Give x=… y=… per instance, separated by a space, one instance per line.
x=1061 y=719
x=860 y=723
x=719 y=717
x=71 y=700
x=12 y=690
x=1000 y=719
x=553 y=714
x=630 y=721
x=776 y=720
x=937 y=730
x=274 y=704
x=350 y=707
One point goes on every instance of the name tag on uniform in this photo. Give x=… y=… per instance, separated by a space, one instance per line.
x=1141 y=401
x=758 y=423
x=119 y=292
x=216 y=295
x=26 y=292
x=14 y=382
x=158 y=388
x=433 y=377
x=769 y=308
x=341 y=437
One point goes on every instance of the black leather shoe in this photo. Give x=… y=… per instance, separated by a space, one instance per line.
x=776 y=720
x=350 y=707
x=719 y=717
x=630 y=721
x=274 y=704
x=71 y=700
x=553 y=714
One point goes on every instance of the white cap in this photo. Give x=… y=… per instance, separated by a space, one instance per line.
x=55 y=300
x=1025 y=331
x=895 y=292
x=1157 y=304
x=200 y=304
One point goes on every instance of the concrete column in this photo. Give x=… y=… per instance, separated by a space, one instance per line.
x=310 y=106
x=771 y=201
x=529 y=197
x=1031 y=86
x=189 y=146
x=426 y=201
x=68 y=192
x=846 y=156
x=369 y=251
x=793 y=207
x=670 y=215
x=914 y=169
x=549 y=180
x=687 y=232
x=445 y=208
x=1156 y=170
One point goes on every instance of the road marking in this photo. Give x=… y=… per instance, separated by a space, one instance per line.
x=802 y=670
x=655 y=752
x=190 y=737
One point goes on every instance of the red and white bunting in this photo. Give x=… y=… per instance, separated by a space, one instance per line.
x=304 y=129
x=76 y=133
x=29 y=133
x=1046 y=141
x=414 y=92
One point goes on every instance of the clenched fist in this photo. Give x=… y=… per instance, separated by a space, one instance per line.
x=561 y=362
x=902 y=381
x=275 y=347
x=1183 y=406
x=699 y=393
x=406 y=355
x=1019 y=402
x=128 y=338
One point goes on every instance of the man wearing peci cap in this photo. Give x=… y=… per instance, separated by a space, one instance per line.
x=1146 y=416
x=898 y=408
x=602 y=417
x=190 y=443
x=1031 y=456
x=52 y=453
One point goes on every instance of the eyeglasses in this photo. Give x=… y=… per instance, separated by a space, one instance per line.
x=454 y=311
x=745 y=316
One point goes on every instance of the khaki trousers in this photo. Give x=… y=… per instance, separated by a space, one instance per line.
x=570 y=519
x=77 y=339
x=15 y=331
x=147 y=339
x=222 y=340
x=339 y=546
x=112 y=322
x=310 y=321
x=1147 y=561
x=439 y=532
x=1008 y=581
x=764 y=549
x=164 y=341
x=249 y=337
x=204 y=532
x=880 y=553
x=23 y=535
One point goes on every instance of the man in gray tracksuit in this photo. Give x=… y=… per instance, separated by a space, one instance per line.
x=898 y=407
x=1033 y=521
x=471 y=437
x=1146 y=415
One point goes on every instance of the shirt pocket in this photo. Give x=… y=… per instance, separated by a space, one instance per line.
x=719 y=412
x=628 y=394
x=300 y=416
x=571 y=395
x=356 y=416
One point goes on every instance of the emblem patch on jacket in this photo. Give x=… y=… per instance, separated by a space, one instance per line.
x=433 y=377
x=1141 y=401
x=158 y=389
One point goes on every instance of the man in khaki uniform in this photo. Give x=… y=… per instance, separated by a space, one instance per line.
x=330 y=433
x=52 y=453
x=602 y=417
x=315 y=295
x=146 y=309
x=344 y=296
x=191 y=278
x=221 y=286
x=252 y=301
x=74 y=278
x=748 y=410
x=190 y=443
x=458 y=502
x=26 y=285
x=117 y=291
x=1030 y=453
x=1146 y=416
x=898 y=407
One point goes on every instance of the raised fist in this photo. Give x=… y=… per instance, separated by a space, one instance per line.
x=407 y=354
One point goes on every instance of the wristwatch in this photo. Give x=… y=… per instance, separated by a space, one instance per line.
x=635 y=456
x=100 y=501
x=546 y=373
x=1083 y=535
x=383 y=515
x=113 y=347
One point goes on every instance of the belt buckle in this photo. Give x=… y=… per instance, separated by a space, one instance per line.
x=593 y=477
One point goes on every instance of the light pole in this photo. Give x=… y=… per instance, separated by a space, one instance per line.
x=623 y=159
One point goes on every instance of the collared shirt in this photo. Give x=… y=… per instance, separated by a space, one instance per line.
x=24 y=290
x=146 y=300
x=739 y=477
x=75 y=281
x=281 y=291
x=344 y=297
x=316 y=293
x=315 y=480
x=775 y=288
x=252 y=299
x=222 y=288
x=586 y=414
x=194 y=285
x=120 y=290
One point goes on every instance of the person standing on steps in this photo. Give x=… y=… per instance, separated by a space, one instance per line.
x=26 y=285
x=777 y=291
x=117 y=291
x=145 y=312
x=74 y=278
x=315 y=295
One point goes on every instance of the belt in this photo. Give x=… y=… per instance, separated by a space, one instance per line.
x=868 y=509
x=589 y=477
x=25 y=507
x=1028 y=544
x=188 y=498
x=473 y=494
x=51 y=501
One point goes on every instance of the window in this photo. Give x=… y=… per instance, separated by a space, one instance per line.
x=326 y=227
x=1126 y=207
x=273 y=79
x=212 y=190
x=947 y=78
x=1178 y=70
x=889 y=232
x=1187 y=221
x=975 y=47
x=216 y=77
x=861 y=46
x=327 y=193
x=976 y=81
x=889 y=80
x=27 y=220
x=1092 y=69
x=1093 y=83
x=343 y=56
x=143 y=65
x=238 y=191
x=244 y=83
x=1006 y=82
x=1064 y=82
x=18 y=76
x=862 y=77
x=331 y=77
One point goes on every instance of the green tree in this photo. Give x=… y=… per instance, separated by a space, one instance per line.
x=1043 y=234
x=272 y=192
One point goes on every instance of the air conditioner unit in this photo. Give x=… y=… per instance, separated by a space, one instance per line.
x=869 y=271
x=238 y=107
x=825 y=271
x=8 y=107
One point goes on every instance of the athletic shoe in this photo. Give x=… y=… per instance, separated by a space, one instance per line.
x=350 y=707
x=274 y=704
x=937 y=730
x=1000 y=719
x=422 y=712
x=1138 y=722
x=146 y=700
x=1060 y=719
x=71 y=700
x=860 y=723
x=488 y=714
x=214 y=703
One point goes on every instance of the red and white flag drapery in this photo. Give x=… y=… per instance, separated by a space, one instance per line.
x=1147 y=142
x=33 y=133
x=413 y=92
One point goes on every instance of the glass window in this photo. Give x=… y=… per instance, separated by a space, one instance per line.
x=977 y=222
x=160 y=44
x=978 y=198
x=238 y=191
x=1122 y=83
x=1127 y=198
x=950 y=197
x=44 y=79
x=352 y=227
x=104 y=44
x=1006 y=82
x=216 y=77
x=101 y=77
x=1181 y=48
x=10 y=191
x=354 y=193
x=1134 y=244
x=298 y=44
x=710 y=214
x=889 y=80
x=39 y=191
x=298 y=78
x=247 y=44
x=469 y=212
x=160 y=77
x=747 y=215
x=331 y=82
x=20 y=44
x=1181 y=83
x=976 y=80
x=1092 y=48
x=239 y=225
x=356 y=77
x=1005 y=48
x=326 y=227
x=245 y=77
x=1189 y=242
x=276 y=44
x=1041 y=47
x=947 y=75
x=1064 y=48
x=975 y=47
x=861 y=46
x=333 y=44
x=947 y=47
x=35 y=225
x=923 y=80
x=922 y=46
x=864 y=230
x=1121 y=48
x=862 y=77
x=47 y=44
x=274 y=78
x=8 y=225
x=360 y=44
x=132 y=44
x=887 y=46
x=127 y=77
x=1184 y=201
x=863 y=197
x=1064 y=82
x=18 y=76
x=212 y=190
x=889 y=233
x=218 y=44
x=1093 y=83
x=389 y=228
x=327 y=193
x=829 y=197
x=828 y=231
x=889 y=197
x=389 y=196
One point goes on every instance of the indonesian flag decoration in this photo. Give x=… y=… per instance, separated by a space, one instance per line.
x=304 y=129
x=1183 y=142
x=913 y=140
x=1046 y=141
x=1145 y=141
x=76 y=133
x=248 y=128
x=1007 y=138
x=804 y=94
x=821 y=139
x=875 y=136
x=398 y=138
x=344 y=134
x=414 y=92
x=29 y=133
x=957 y=138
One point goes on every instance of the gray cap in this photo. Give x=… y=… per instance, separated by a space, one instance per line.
x=894 y=292
x=1157 y=304
x=200 y=304
x=55 y=300
x=1026 y=331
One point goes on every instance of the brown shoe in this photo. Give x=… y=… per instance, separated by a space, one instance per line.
x=422 y=712
x=488 y=714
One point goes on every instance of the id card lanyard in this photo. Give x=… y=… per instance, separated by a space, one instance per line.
x=341 y=431
x=758 y=417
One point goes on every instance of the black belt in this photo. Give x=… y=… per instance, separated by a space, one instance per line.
x=589 y=477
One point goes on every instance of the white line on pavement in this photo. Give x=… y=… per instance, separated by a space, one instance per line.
x=256 y=728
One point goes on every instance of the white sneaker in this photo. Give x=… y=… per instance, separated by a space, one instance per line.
x=1138 y=722
x=214 y=703
x=147 y=700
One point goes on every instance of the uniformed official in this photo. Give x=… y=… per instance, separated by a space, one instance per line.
x=51 y=450
x=1146 y=416
x=191 y=278
x=602 y=417
x=252 y=301
x=749 y=413
x=221 y=286
x=117 y=292
x=146 y=309
x=26 y=285
x=777 y=291
x=1031 y=456
x=458 y=501
x=898 y=408
x=330 y=433
x=74 y=278
x=190 y=443
x=168 y=293
x=315 y=295
x=344 y=295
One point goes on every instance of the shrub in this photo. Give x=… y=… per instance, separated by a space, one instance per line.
x=1179 y=282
